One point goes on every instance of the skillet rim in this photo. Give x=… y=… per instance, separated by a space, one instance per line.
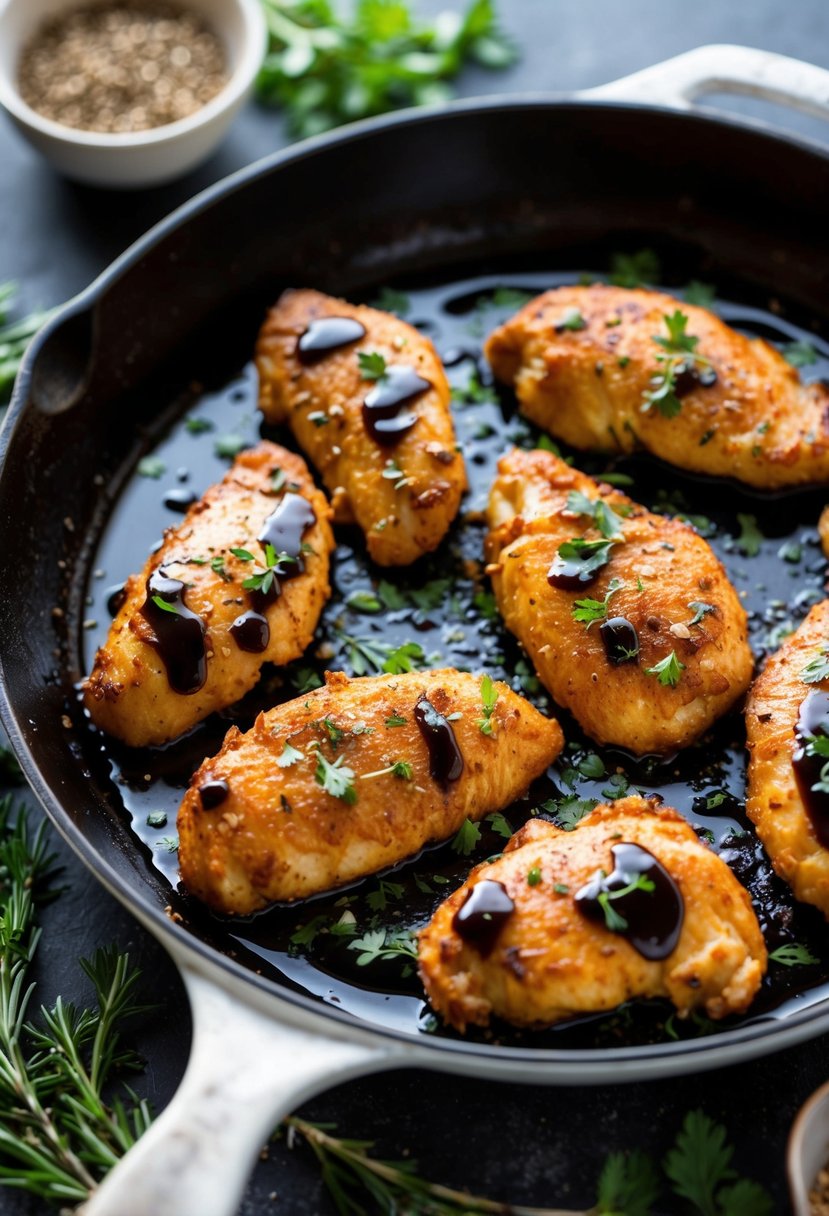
x=759 y=1038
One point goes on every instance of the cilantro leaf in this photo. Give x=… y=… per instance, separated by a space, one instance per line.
x=336 y=779
x=288 y=756
x=678 y=341
x=408 y=657
x=793 y=954
x=466 y=838
x=667 y=670
x=569 y=811
x=372 y=365
x=386 y=890
x=572 y=320
x=799 y=354
x=499 y=824
x=699 y=1167
x=750 y=537
x=628 y=1185
x=816 y=669
x=364 y=601
x=229 y=446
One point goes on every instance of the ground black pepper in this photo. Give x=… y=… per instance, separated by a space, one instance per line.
x=119 y=67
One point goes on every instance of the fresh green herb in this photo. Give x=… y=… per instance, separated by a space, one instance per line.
x=617 y=479
x=385 y=944
x=614 y=920
x=393 y=598
x=408 y=657
x=791 y=551
x=228 y=447
x=569 y=811
x=263 y=578
x=816 y=669
x=165 y=605
x=750 y=538
x=591 y=554
x=474 y=392
x=151 y=466
x=396 y=720
x=701 y=294
x=510 y=298
x=217 y=565
x=364 y=601
x=319 y=418
x=628 y=1186
x=793 y=954
x=372 y=365
x=169 y=843
x=335 y=734
x=305 y=679
x=244 y=555
x=289 y=755
x=715 y=800
x=14 y=338
x=336 y=779
x=680 y=354
x=393 y=472
x=400 y=768
x=390 y=300
x=667 y=670
x=572 y=319
x=386 y=890
x=592 y=766
x=466 y=838
x=489 y=699
x=700 y=610
x=635 y=269
x=546 y=444
x=157 y=819
x=279 y=481
x=799 y=354
x=604 y=517
x=589 y=611
x=561 y=888
x=307 y=933
x=623 y=361
x=617 y=786
x=327 y=66
x=499 y=824
x=10 y=771
x=197 y=426
x=699 y=1166
x=534 y=876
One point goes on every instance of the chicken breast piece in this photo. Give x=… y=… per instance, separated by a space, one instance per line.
x=583 y=359
x=351 y=779
x=791 y=818
x=669 y=920
x=190 y=638
x=661 y=649
x=368 y=401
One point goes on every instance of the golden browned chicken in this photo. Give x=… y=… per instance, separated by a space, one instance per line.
x=368 y=400
x=615 y=369
x=630 y=904
x=353 y=778
x=787 y=721
x=629 y=617
x=240 y=582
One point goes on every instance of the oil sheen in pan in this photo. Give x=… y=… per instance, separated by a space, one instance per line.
x=349 y=949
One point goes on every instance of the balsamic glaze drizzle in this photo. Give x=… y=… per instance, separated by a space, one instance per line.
x=621 y=641
x=445 y=757
x=213 y=793
x=483 y=914
x=325 y=335
x=179 y=636
x=382 y=419
x=651 y=919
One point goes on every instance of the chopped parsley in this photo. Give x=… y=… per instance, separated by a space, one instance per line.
x=572 y=320
x=165 y=605
x=750 y=538
x=614 y=921
x=390 y=300
x=372 y=365
x=289 y=755
x=263 y=578
x=793 y=954
x=569 y=811
x=500 y=824
x=701 y=294
x=679 y=355
x=588 y=611
x=364 y=601
x=393 y=472
x=396 y=720
x=400 y=768
x=196 y=426
x=816 y=669
x=157 y=819
x=534 y=876
x=634 y=269
x=591 y=554
x=489 y=699
x=604 y=517
x=700 y=610
x=466 y=838
x=386 y=890
x=336 y=779
x=217 y=565
x=667 y=670
x=799 y=354
x=151 y=466
x=229 y=446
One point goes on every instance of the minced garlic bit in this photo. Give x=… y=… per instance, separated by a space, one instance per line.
x=119 y=67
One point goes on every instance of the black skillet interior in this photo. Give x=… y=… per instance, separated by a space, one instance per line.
x=460 y=209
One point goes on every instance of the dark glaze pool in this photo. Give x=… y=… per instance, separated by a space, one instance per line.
x=351 y=949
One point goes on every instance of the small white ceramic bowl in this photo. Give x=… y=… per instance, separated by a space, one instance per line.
x=808 y=1148
x=140 y=158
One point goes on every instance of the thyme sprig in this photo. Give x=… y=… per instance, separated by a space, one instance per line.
x=59 y=1135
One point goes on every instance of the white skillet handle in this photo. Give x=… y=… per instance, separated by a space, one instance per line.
x=680 y=81
x=246 y=1071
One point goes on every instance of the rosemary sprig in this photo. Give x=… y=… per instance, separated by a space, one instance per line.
x=59 y=1136
x=14 y=338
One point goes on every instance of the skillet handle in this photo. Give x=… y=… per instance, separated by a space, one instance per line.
x=246 y=1071
x=678 y=82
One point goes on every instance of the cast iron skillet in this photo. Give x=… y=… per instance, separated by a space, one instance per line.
x=502 y=182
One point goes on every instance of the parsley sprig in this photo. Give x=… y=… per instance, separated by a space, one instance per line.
x=326 y=65
x=667 y=671
x=590 y=554
x=263 y=578
x=336 y=778
x=816 y=669
x=604 y=517
x=588 y=611
x=679 y=355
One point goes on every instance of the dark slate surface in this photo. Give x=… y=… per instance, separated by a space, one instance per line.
x=523 y=1144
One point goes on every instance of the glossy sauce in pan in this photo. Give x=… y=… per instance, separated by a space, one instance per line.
x=443 y=605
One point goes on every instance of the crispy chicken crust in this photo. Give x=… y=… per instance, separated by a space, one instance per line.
x=278 y=835
x=401 y=521
x=774 y=804
x=128 y=691
x=676 y=569
x=550 y=962
x=757 y=423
